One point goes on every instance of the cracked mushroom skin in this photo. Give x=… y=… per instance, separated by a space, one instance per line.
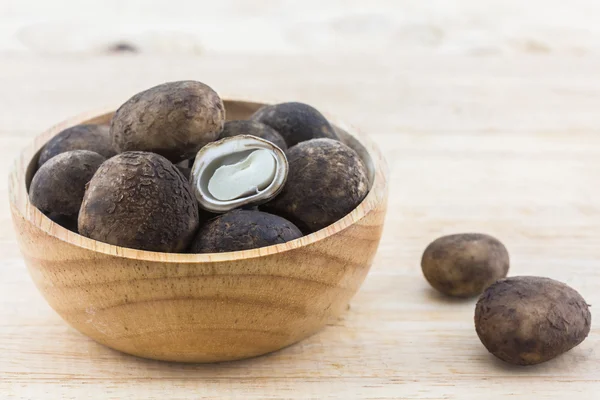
x=94 y=138
x=463 y=265
x=326 y=181
x=254 y=128
x=139 y=200
x=58 y=187
x=243 y=230
x=174 y=120
x=527 y=320
x=295 y=122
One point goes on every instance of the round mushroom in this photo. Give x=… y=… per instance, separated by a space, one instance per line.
x=463 y=265
x=57 y=188
x=326 y=180
x=94 y=138
x=527 y=320
x=139 y=200
x=243 y=230
x=174 y=120
x=254 y=128
x=296 y=122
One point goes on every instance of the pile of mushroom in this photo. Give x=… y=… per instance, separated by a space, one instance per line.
x=171 y=175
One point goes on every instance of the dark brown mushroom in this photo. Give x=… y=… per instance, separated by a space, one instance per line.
x=295 y=122
x=139 y=200
x=243 y=230
x=326 y=180
x=174 y=120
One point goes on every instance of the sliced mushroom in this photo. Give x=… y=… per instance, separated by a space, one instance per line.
x=238 y=171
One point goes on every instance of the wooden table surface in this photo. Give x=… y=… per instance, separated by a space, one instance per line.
x=505 y=142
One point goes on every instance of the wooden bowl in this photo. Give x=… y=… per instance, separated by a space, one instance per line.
x=198 y=307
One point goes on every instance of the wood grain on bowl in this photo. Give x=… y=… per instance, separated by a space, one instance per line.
x=197 y=307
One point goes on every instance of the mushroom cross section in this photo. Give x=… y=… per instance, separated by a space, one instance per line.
x=238 y=171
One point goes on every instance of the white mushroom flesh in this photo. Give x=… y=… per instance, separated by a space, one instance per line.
x=246 y=177
x=238 y=171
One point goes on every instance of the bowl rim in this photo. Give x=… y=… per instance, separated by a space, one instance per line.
x=21 y=207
